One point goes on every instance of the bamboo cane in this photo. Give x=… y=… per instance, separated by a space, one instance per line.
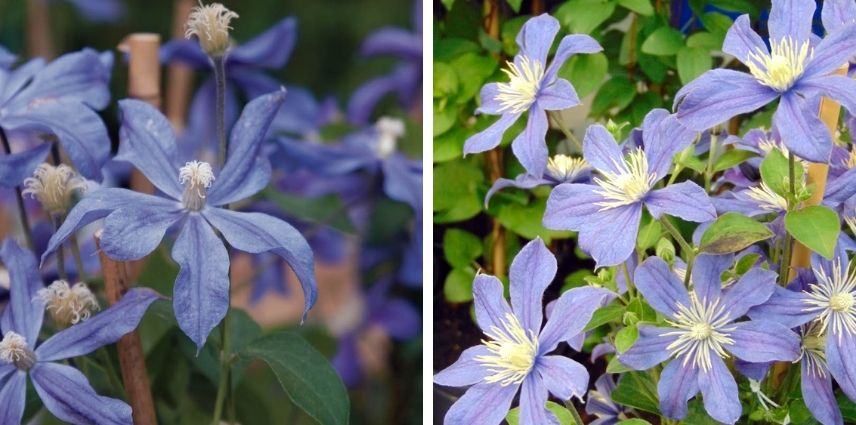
x=494 y=157
x=179 y=76
x=39 y=37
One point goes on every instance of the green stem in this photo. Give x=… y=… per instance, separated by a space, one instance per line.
x=220 y=114
x=686 y=248
x=78 y=260
x=785 y=262
x=60 y=253
x=571 y=408
x=627 y=278
x=568 y=135
x=225 y=367
x=19 y=196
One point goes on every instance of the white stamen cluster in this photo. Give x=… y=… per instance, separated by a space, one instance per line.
x=14 y=349
x=198 y=177
x=54 y=187
x=389 y=130
x=566 y=168
x=834 y=297
x=767 y=199
x=780 y=68
x=68 y=305
x=769 y=145
x=630 y=184
x=812 y=350
x=524 y=83
x=851 y=223
x=851 y=159
x=701 y=329
x=513 y=351
x=210 y=24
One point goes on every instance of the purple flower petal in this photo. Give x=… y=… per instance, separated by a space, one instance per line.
x=610 y=237
x=677 y=385
x=717 y=96
x=840 y=360
x=754 y=288
x=660 y=286
x=67 y=394
x=649 y=349
x=399 y=318
x=685 y=200
x=73 y=77
x=490 y=137
x=531 y=272
x=466 y=370
x=836 y=14
x=13 y=397
x=784 y=306
x=102 y=329
x=536 y=37
x=530 y=146
x=742 y=41
x=664 y=137
x=706 y=273
x=763 y=341
x=18 y=78
x=837 y=87
x=564 y=377
x=840 y=189
x=570 y=315
x=482 y=404
x=147 y=140
x=569 y=46
x=393 y=41
x=133 y=232
x=523 y=181
x=570 y=206
x=24 y=312
x=601 y=151
x=16 y=167
x=756 y=371
x=832 y=52
x=818 y=396
x=403 y=181
x=719 y=392
x=791 y=18
x=557 y=96
x=533 y=400
x=489 y=103
x=489 y=302
x=270 y=49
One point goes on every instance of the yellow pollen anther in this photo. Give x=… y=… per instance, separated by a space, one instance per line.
x=630 y=184
x=524 y=82
x=512 y=350
x=841 y=302
x=780 y=68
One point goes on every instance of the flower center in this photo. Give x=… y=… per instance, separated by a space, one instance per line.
x=780 y=68
x=851 y=159
x=54 y=187
x=210 y=24
x=197 y=176
x=629 y=184
x=812 y=349
x=565 y=168
x=14 y=349
x=68 y=305
x=389 y=130
x=832 y=297
x=524 y=82
x=512 y=350
x=767 y=199
x=700 y=328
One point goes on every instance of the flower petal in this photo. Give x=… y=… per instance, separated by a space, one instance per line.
x=763 y=341
x=402 y=181
x=792 y=19
x=256 y=233
x=102 y=329
x=523 y=181
x=818 y=396
x=16 y=167
x=836 y=14
x=784 y=306
x=754 y=288
x=610 y=238
x=24 y=313
x=570 y=45
x=686 y=200
x=393 y=41
x=742 y=41
x=838 y=87
x=490 y=137
x=489 y=103
x=717 y=96
x=601 y=150
x=536 y=37
x=489 y=302
x=530 y=146
x=706 y=273
x=67 y=394
x=570 y=315
x=466 y=370
x=677 y=385
x=482 y=404
x=270 y=49
x=660 y=286
x=832 y=52
x=533 y=401
x=13 y=397
x=557 y=96
x=564 y=377
x=801 y=130
x=719 y=392
x=839 y=359
x=76 y=77
x=571 y=205
x=201 y=294
x=531 y=272
x=664 y=138
x=649 y=349
x=131 y=233
x=147 y=141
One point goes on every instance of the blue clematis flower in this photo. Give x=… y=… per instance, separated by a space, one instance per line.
x=533 y=87
x=794 y=70
x=607 y=212
x=58 y=98
x=405 y=80
x=135 y=222
x=703 y=331
x=64 y=391
x=514 y=355
x=100 y=10
x=560 y=169
x=599 y=402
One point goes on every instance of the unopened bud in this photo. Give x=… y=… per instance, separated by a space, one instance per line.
x=68 y=305
x=666 y=250
x=616 y=129
x=54 y=187
x=210 y=25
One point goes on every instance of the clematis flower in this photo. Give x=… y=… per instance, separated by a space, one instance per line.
x=703 y=331
x=607 y=212
x=533 y=87
x=64 y=391
x=135 y=223
x=58 y=98
x=560 y=169
x=514 y=354
x=599 y=402
x=793 y=70
x=405 y=80
x=100 y=10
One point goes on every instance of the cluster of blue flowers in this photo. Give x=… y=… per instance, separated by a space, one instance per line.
x=717 y=313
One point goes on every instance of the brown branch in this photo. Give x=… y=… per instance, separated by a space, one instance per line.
x=130 y=347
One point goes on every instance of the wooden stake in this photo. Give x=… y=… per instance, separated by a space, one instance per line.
x=494 y=157
x=39 y=38
x=179 y=76
x=130 y=347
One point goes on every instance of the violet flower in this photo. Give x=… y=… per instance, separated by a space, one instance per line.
x=60 y=98
x=64 y=391
x=560 y=169
x=607 y=213
x=135 y=222
x=599 y=402
x=793 y=70
x=533 y=87
x=514 y=354
x=702 y=332
x=100 y=10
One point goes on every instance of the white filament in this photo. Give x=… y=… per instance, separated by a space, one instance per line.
x=629 y=185
x=68 y=305
x=512 y=350
x=524 y=82
x=566 y=168
x=210 y=24
x=781 y=67
x=834 y=298
x=701 y=330
x=198 y=177
x=54 y=187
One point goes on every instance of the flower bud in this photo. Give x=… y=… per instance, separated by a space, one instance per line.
x=54 y=187
x=68 y=305
x=666 y=250
x=14 y=349
x=210 y=25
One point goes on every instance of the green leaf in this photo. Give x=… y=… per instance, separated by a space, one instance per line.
x=649 y=234
x=692 y=62
x=461 y=247
x=705 y=40
x=472 y=69
x=664 y=41
x=324 y=210
x=618 y=93
x=637 y=390
x=816 y=227
x=447 y=49
x=604 y=315
x=515 y=5
x=458 y=287
x=634 y=421
x=625 y=338
x=584 y=16
x=445 y=80
x=585 y=72
x=642 y=7
x=455 y=191
x=642 y=310
x=448 y=4
x=774 y=172
x=305 y=375
x=732 y=232
x=716 y=23
x=731 y=158
x=525 y=220
x=615 y=366
x=565 y=417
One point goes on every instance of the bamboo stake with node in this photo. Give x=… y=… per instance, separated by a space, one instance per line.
x=130 y=347
x=494 y=157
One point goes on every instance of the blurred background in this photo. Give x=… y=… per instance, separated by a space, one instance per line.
x=367 y=319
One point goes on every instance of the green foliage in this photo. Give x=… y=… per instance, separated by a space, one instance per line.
x=637 y=390
x=776 y=174
x=816 y=227
x=732 y=232
x=565 y=417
